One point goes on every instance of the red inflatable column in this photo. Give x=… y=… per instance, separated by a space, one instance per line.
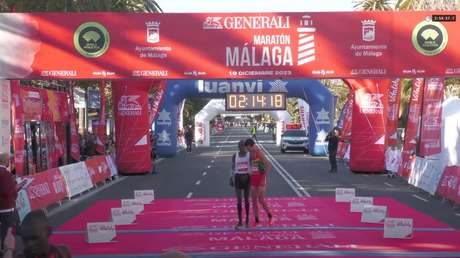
x=132 y=139
x=367 y=150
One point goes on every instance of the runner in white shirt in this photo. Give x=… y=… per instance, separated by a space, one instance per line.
x=240 y=179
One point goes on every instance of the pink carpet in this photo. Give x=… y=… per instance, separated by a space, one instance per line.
x=218 y=213
x=215 y=217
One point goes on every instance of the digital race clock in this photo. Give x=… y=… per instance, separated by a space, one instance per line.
x=260 y=101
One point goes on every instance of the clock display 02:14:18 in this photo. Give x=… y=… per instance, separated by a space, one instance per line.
x=262 y=101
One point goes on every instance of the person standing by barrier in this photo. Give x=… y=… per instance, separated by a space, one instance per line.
x=240 y=179
x=8 y=194
x=259 y=168
x=333 y=142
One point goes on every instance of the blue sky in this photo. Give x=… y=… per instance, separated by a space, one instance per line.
x=180 y=6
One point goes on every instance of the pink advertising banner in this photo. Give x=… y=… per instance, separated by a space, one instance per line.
x=228 y=45
x=411 y=136
x=45 y=188
x=430 y=129
x=394 y=98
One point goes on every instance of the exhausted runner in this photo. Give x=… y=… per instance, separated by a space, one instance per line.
x=259 y=168
x=241 y=167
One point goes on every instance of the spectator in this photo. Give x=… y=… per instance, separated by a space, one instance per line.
x=189 y=138
x=8 y=195
x=35 y=231
x=333 y=142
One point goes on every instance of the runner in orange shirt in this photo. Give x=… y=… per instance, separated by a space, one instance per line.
x=259 y=169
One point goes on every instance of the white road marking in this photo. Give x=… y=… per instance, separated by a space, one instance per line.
x=212 y=161
x=388 y=184
x=209 y=166
x=198 y=182
x=204 y=173
x=420 y=198
x=457 y=214
x=189 y=195
x=296 y=187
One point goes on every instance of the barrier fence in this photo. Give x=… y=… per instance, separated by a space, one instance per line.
x=429 y=174
x=52 y=186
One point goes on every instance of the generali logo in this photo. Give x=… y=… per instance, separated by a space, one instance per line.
x=129 y=105
x=371 y=103
x=246 y=22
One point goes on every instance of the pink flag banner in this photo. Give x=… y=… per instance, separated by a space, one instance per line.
x=394 y=98
x=413 y=124
x=430 y=130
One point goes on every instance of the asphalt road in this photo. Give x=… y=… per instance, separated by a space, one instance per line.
x=204 y=173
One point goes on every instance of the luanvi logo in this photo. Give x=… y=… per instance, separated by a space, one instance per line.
x=91 y=39
x=429 y=38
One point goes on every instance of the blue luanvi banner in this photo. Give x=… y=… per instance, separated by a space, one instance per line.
x=320 y=99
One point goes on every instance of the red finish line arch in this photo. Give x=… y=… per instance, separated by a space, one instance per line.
x=228 y=45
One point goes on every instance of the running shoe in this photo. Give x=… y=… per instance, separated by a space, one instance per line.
x=239 y=225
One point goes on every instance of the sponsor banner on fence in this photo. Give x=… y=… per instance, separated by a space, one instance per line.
x=449 y=185
x=227 y=45
x=5 y=119
x=77 y=178
x=394 y=97
x=368 y=126
x=112 y=166
x=426 y=174
x=23 y=204
x=430 y=130
x=45 y=188
x=98 y=169
x=132 y=118
x=413 y=123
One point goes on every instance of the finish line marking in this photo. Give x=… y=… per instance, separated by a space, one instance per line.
x=253 y=229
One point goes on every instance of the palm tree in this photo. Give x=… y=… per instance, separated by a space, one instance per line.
x=80 y=5
x=372 y=5
x=427 y=5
